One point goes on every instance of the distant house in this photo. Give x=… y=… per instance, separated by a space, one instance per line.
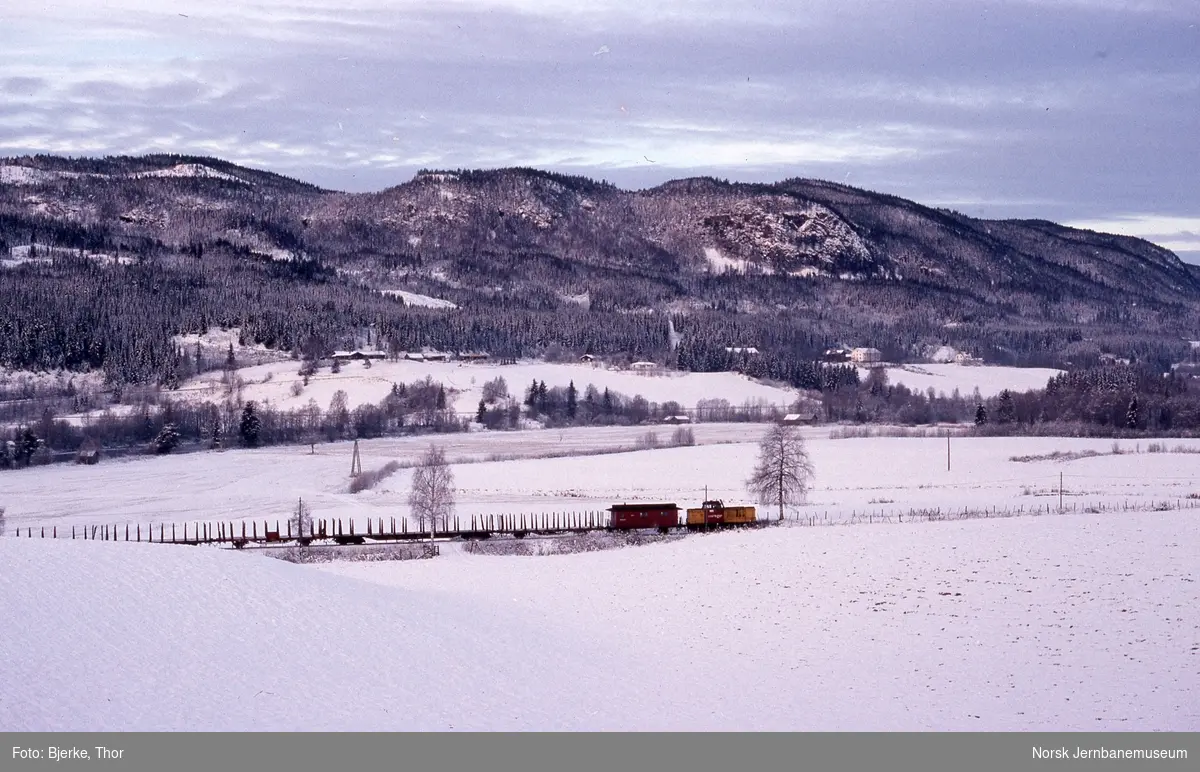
x=865 y=355
x=89 y=453
x=1112 y=359
x=836 y=354
x=587 y=358
x=473 y=356
x=643 y=366
x=808 y=415
x=344 y=356
x=427 y=356
x=677 y=419
x=963 y=358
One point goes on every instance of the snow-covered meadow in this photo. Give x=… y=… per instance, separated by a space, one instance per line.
x=945 y=378
x=1076 y=621
x=273 y=384
x=578 y=469
x=1073 y=622
x=280 y=385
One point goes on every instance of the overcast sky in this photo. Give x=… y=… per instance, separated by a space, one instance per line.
x=1080 y=111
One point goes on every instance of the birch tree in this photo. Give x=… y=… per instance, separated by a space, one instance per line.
x=432 y=496
x=784 y=471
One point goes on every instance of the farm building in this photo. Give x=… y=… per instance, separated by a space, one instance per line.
x=344 y=356
x=836 y=354
x=677 y=419
x=587 y=358
x=807 y=415
x=89 y=453
x=866 y=355
x=473 y=356
x=427 y=356
x=643 y=366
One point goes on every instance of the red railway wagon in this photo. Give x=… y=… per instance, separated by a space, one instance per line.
x=630 y=516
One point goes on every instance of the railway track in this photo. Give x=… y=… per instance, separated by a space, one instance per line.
x=344 y=533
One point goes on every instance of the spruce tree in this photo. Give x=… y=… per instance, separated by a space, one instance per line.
x=250 y=426
x=1133 y=416
x=1006 y=413
x=981 y=416
x=167 y=439
x=572 y=400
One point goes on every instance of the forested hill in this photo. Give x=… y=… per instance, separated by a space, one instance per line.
x=103 y=260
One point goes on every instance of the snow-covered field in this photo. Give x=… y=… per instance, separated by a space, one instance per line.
x=137 y=637
x=1076 y=622
x=876 y=477
x=945 y=378
x=272 y=383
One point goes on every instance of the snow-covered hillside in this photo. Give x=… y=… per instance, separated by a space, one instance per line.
x=273 y=383
x=945 y=378
x=416 y=299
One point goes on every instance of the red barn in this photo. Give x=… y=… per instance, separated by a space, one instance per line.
x=661 y=516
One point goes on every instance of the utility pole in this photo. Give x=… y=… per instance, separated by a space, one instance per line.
x=947 y=450
x=355 y=462
x=1060 y=487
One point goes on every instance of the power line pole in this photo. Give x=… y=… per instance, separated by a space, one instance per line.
x=1060 y=492
x=947 y=450
x=355 y=462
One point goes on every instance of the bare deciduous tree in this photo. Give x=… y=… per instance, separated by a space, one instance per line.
x=2 y=526
x=301 y=520
x=784 y=469
x=432 y=496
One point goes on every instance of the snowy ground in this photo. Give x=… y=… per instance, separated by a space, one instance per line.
x=1073 y=622
x=876 y=477
x=127 y=637
x=945 y=378
x=272 y=383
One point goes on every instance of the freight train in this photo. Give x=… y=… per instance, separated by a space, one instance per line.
x=664 y=517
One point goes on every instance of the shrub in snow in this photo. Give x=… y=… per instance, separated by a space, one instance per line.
x=683 y=436
x=370 y=478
